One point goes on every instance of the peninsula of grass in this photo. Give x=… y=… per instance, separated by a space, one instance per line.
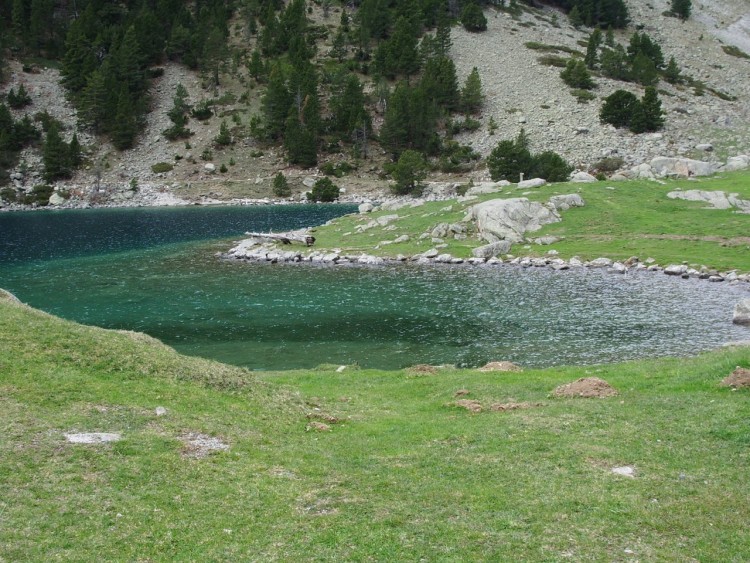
x=401 y=474
x=619 y=220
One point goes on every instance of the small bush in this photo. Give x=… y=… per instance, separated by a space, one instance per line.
x=543 y=47
x=39 y=195
x=553 y=60
x=609 y=164
x=8 y=194
x=324 y=190
x=161 y=167
x=207 y=154
x=18 y=99
x=550 y=166
x=583 y=96
x=576 y=75
x=472 y=18
x=202 y=111
x=223 y=168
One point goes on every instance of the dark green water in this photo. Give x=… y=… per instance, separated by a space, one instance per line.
x=154 y=271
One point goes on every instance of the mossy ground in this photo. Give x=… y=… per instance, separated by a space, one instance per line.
x=402 y=475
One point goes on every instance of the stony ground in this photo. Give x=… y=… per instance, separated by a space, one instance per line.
x=520 y=92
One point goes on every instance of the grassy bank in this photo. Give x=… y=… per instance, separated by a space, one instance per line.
x=403 y=474
x=620 y=220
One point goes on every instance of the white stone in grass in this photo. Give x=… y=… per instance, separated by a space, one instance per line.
x=625 y=471
x=160 y=411
x=92 y=437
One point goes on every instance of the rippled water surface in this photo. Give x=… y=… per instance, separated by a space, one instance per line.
x=155 y=271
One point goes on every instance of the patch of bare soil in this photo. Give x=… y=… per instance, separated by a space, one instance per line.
x=198 y=446
x=461 y=393
x=501 y=366
x=469 y=405
x=586 y=387
x=502 y=407
x=324 y=417
x=738 y=379
x=422 y=369
x=316 y=426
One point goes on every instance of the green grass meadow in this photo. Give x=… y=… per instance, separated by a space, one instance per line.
x=402 y=475
x=620 y=220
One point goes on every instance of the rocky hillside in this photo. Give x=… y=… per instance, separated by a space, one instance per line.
x=520 y=91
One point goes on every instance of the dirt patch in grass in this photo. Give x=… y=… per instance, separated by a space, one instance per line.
x=501 y=366
x=422 y=369
x=587 y=387
x=738 y=379
x=323 y=417
x=317 y=426
x=198 y=446
x=461 y=393
x=469 y=405
x=502 y=407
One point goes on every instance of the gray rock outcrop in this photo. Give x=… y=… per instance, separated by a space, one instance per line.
x=582 y=177
x=742 y=313
x=510 y=219
x=716 y=199
x=663 y=167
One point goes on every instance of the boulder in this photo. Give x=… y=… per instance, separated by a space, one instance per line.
x=369 y=260
x=209 y=167
x=663 y=166
x=705 y=147
x=492 y=250
x=486 y=188
x=402 y=238
x=675 y=269
x=366 y=208
x=582 y=177
x=56 y=199
x=510 y=219
x=599 y=263
x=740 y=162
x=565 y=202
x=533 y=183
x=742 y=313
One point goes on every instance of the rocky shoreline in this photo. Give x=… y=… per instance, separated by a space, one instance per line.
x=255 y=250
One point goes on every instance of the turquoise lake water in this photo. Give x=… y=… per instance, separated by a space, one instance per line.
x=155 y=271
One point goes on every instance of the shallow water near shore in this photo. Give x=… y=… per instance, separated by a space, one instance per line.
x=156 y=271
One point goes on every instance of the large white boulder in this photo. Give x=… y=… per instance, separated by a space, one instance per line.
x=492 y=250
x=716 y=199
x=739 y=162
x=510 y=219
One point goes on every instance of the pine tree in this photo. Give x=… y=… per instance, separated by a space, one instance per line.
x=348 y=105
x=255 y=67
x=408 y=172
x=509 y=159
x=576 y=75
x=214 y=53
x=55 y=156
x=648 y=115
x=443 y=41
x=609 y=39
x=281 y=186
x=75 y=156
x=473 y=18
x=94 y=107
x=592 y=48
x=440 y=82
x=129 y=63
x=300 y=143
x=618 y=108
x=125 y=126
x=614 y=63
x=672 y=72
x=224 y=137
x=79 y=60
x=275 y=104
x=574 y=16
x=338 y=49
x=643 y=71
x=681 y=8
x=471 y=94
